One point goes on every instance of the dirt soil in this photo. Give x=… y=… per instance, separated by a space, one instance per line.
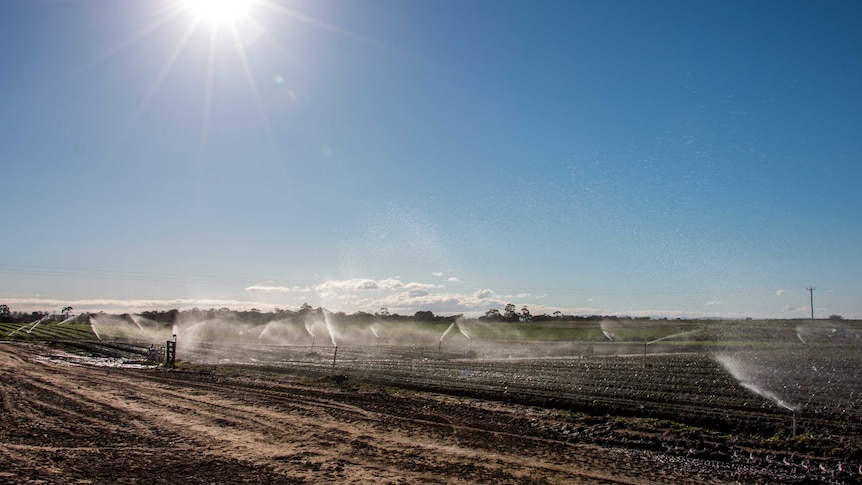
x=64 y=423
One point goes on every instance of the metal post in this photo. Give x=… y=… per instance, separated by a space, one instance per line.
x=811 y=291
x=334 y=355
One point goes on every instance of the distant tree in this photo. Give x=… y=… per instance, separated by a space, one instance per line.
x=305 y=308
x=165 y=317
x=362 y=317
x=384 y=312
x=836 y=317
x=558 y=314
x=5 y=314
x=509 y=312
x=425 y=316
x=525 y=314
x=493 y=314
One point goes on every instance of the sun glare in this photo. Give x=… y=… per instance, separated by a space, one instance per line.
x=218 y=11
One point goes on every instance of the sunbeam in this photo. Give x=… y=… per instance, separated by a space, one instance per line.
x=252 y=83
x=208 y=93
x=162 y=74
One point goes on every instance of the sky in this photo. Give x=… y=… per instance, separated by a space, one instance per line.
x=619 y=157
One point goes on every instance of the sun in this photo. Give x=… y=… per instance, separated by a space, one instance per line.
x=218 y=11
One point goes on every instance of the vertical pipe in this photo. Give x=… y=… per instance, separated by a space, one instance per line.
x=334 y=355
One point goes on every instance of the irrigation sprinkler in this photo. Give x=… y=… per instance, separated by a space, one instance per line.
x=334 y=355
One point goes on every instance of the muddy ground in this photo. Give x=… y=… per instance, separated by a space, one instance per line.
x=70 y=423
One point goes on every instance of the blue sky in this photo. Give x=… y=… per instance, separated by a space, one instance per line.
x=615 y=157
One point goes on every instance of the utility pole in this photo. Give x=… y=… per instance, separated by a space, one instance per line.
x=810 y=290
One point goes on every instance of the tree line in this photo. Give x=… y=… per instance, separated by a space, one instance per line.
x=510 y=313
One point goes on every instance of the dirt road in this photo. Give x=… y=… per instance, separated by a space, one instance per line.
x=65 y=423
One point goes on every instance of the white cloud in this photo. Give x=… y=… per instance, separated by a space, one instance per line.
x=453 y=280
x=437 y=274
x=779 y=292
x=269 y=289
x=346 y=289
x=715 y=303
x=354 y=284
x=411 y=301
x=426 y=286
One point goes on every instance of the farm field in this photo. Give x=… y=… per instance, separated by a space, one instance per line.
x=752 y=404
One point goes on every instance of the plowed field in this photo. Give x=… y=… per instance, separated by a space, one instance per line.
x=64 y=422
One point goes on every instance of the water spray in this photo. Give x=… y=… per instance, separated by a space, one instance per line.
x=607 y=326
x=666 y=337
x=447 y=331
x=680 y=334
x=135 y=320
x=463 y=332
x=308 y=329
x=329 y=328
x=93 y=329
x=440 y=343
x=799 y=331
x=734 y=367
